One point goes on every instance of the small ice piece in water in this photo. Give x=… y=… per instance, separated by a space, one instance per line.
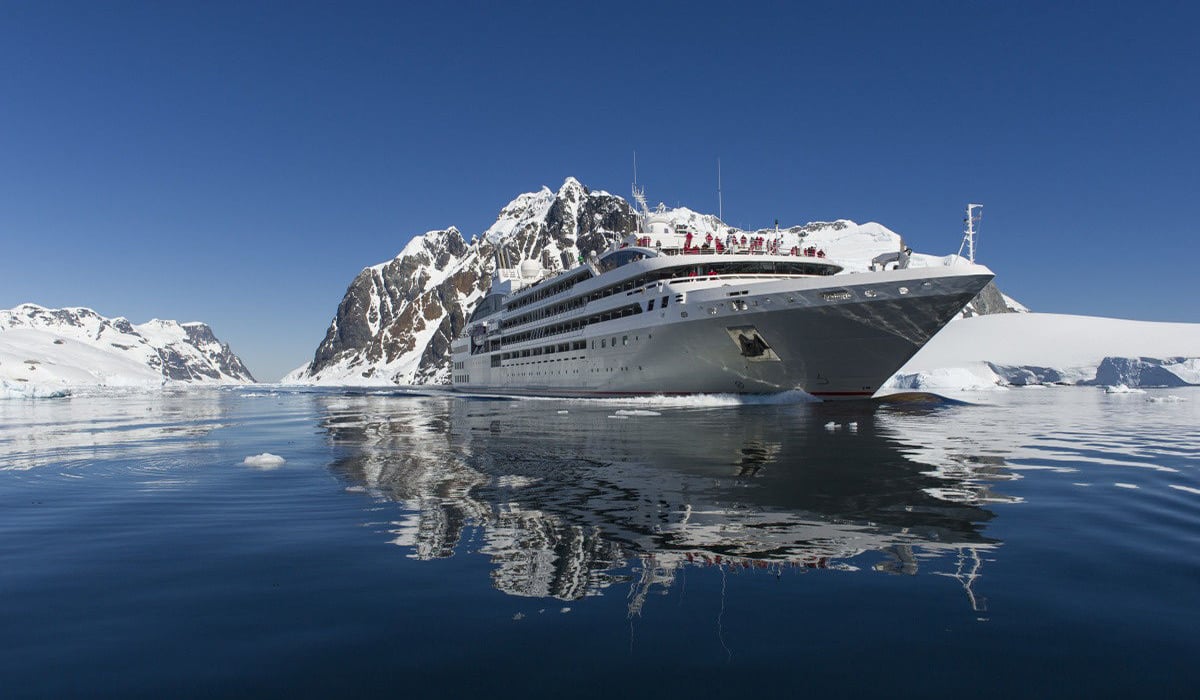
x=565 y=610
x=1122 y=389
x=636 y=412
x=831 y=426
x=852 y=426
x=1123 y=485
x=265 y=460
x=561 y=412
x=1171 y=398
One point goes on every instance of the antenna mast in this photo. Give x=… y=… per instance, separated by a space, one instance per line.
x=639 y=196
x=720 y=202
x=969 y=234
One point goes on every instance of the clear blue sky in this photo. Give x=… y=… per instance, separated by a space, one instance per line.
x=239 y=163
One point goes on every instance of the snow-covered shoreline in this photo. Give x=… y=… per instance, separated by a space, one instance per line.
x=986 y=353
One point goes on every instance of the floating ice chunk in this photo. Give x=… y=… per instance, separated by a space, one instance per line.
x=635 y=412
x=977 y=377
x=1122 y=389
x=1166 y=399
x=15 y=391
x=1123 y=485
x=831 y=426
x=852 y=426
x=265 y=460
x=561 y=413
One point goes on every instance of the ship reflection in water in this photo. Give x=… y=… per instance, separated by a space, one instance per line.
x=569 y=498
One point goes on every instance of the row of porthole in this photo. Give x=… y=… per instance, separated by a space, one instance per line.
x=624 y=341
x=561 y=372
x=538 y=362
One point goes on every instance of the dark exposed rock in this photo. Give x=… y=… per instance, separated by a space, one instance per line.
x=988 y=301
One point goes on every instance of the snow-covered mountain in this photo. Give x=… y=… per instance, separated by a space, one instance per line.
x=396 y=321
x=53 y=351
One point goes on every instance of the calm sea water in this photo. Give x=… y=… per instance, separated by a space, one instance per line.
x=1045 y=543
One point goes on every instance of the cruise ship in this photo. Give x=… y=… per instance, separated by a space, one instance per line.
x=667 y=312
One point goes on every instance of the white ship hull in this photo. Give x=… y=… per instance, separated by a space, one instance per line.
x=835 y=337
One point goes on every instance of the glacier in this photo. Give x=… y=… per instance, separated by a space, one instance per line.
x=995 y=352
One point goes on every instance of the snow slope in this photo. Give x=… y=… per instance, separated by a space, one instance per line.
x=986 y=352
x=52 y=352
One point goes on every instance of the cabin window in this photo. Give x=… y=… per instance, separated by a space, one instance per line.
x=650 y=305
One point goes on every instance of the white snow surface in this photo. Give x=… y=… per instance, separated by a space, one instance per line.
x=57 y=352
x=964 y=356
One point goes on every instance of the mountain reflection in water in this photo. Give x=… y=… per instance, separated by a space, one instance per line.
x=568 y=498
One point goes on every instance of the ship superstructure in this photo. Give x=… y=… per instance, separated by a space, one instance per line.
x=669 y=312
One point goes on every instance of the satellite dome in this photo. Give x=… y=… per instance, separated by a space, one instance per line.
x=531 y=268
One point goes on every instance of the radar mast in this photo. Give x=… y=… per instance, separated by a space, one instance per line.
x=968 y=240
x=639 y=196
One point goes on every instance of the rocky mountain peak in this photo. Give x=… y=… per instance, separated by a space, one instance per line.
x=397 y=318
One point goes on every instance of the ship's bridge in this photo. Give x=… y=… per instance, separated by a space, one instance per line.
x=623 y=256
